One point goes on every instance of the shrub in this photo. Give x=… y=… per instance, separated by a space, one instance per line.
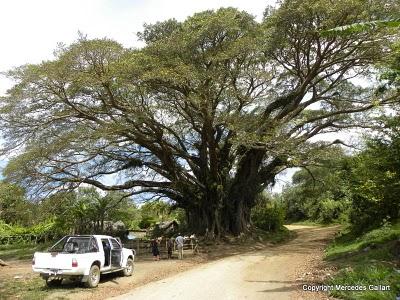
x=268 y=215
x=331 y=210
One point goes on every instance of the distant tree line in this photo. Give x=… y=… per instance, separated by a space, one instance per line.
x=85 y=210
x=360 y=187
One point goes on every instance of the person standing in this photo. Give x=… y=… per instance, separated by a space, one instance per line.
x=179 y=245
x=155 y=250
x=170 y=245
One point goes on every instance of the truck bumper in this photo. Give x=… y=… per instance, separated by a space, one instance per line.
x=47 y=276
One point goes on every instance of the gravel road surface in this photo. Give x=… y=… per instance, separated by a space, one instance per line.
x=265 y=274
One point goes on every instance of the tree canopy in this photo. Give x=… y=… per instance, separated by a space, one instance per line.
x=205 y=114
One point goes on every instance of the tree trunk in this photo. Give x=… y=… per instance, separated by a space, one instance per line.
x=238 y=207
x=229 y=211
x=242 y=193
x=201 y=220
x=232 y=216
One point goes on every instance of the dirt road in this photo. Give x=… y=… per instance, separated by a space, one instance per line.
x=27 y=285
x=259 y=272
x=266 y=274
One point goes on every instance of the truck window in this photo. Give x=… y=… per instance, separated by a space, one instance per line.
x=115 y=244
x=93 y=247
x=59 y=246
x=77 y=245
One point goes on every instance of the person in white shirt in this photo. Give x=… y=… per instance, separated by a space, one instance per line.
x=179 y=245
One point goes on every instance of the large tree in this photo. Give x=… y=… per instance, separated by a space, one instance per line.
x=205 y=114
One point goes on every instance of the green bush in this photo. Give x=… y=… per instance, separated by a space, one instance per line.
x=367 y=259
x=7 y=229
x=375 y=182
x=47 y=227
x=268 y=215
x=331 y=210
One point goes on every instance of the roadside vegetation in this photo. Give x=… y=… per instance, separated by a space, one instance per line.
x=360 y=191
x=82 y=211
x=368 y=259
x=348 y=242
x=31 y=288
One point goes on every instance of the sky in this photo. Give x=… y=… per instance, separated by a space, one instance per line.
x=30 y=30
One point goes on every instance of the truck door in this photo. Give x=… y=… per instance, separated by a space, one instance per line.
x=116 y=254
x=107 y=251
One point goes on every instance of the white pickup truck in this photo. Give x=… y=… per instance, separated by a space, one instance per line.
x=83 y=258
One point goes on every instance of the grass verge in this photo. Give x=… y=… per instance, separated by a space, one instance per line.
x=279 y=236
x=369 y=261
x=33 y=288
x=348 y=242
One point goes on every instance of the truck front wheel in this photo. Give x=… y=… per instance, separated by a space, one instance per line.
x=94 y=277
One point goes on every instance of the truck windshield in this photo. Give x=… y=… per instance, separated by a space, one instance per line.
x=75 y=244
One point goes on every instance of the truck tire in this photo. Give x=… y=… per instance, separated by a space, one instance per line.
x=129 y=267
x=94 y=277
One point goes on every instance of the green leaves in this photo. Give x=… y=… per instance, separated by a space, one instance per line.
x=159 y=31
x=320 y=192
x=268 y=214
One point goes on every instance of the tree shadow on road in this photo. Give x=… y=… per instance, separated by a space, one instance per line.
x=290 y=285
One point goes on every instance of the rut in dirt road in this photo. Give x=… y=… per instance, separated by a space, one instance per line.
x=265 y=274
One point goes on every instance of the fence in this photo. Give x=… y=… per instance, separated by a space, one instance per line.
x=25 y=239
x=143 y=246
